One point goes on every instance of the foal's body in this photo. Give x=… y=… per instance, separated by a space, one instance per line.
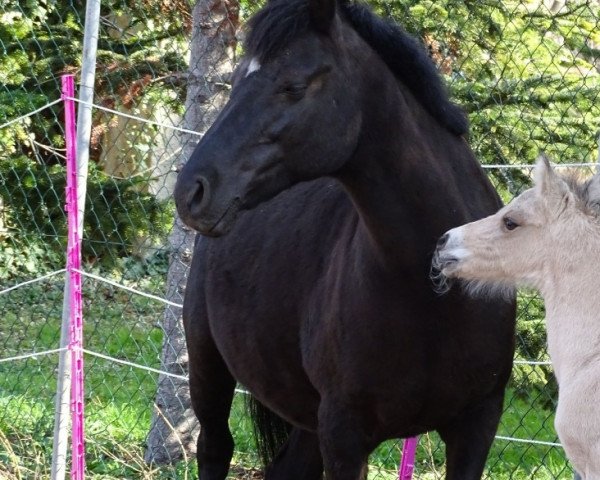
x=549 y=238
x=339 y=142
x=573 y=324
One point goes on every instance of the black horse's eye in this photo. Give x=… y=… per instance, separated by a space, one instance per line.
x=294 y=90
x=509 y=223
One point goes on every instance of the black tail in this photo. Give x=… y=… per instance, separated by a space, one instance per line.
x=270 y=430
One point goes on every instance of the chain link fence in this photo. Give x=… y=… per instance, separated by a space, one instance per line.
x=526 y=71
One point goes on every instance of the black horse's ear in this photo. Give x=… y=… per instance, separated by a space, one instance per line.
x=321 y=14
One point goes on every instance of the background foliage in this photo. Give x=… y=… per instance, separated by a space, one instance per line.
x=526 y=71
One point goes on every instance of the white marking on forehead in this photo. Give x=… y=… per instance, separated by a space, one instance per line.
x=254 y=66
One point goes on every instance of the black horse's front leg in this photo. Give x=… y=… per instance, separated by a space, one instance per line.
x=468 y=438
x=343 y=442
x=211 y=389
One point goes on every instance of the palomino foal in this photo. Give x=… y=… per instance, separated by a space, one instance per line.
x=547 y=238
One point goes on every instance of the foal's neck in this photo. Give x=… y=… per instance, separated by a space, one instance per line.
x=573 y=317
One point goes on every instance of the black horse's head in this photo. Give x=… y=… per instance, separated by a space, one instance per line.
x=319 y=76
x=292 y=116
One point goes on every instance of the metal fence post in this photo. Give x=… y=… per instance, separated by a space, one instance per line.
x=84 y=127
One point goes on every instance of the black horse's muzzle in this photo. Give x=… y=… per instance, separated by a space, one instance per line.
x=199 y=208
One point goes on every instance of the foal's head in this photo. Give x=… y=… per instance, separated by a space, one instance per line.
x=533 y=239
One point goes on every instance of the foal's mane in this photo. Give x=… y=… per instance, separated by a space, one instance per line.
x=581 y=188
x=281 y=21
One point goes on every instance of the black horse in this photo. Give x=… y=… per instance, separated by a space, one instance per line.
x=342 y=149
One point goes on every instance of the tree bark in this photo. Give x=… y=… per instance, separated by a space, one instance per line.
x=174 y=427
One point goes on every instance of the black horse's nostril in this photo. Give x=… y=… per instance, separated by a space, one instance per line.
x=198 y=195
x=443 y=241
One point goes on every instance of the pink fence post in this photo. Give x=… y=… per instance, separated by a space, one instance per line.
x=407 y=464
x=73 y=268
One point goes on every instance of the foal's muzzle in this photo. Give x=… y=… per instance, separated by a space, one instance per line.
x=443 y=240
x=442 y=265
x=443 y=260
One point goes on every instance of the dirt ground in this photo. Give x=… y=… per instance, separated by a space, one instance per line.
x=240 y=473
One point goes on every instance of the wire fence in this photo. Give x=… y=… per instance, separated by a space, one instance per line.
x=527 y=72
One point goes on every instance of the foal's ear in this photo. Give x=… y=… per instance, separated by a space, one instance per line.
x=593 y=192
x=547 y=182
x=321 y=14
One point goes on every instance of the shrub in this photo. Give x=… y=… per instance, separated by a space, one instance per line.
x=118 y=216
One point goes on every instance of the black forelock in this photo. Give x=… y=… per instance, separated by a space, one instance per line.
x=275 y=25
x=281 y=21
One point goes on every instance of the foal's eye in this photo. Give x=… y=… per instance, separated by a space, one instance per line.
x=509 y=223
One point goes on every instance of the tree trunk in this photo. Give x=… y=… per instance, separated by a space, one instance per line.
x=174 y=427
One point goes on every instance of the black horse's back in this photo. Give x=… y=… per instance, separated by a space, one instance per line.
x=325 y=184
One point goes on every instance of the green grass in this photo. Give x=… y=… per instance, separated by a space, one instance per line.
x=507 y=460
x=119 y=398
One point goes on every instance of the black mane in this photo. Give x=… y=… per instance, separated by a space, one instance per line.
x=280 y=21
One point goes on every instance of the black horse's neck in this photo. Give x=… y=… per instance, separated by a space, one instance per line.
x=405 y=178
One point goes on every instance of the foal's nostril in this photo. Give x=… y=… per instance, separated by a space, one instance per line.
x=443 y=241
x=198 y=196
